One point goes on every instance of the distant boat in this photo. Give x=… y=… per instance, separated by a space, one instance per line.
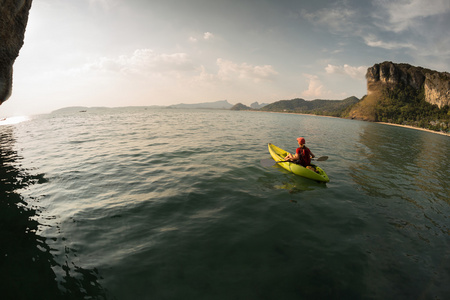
x=83 y=110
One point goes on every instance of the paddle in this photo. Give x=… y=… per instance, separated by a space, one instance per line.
x=268 y=162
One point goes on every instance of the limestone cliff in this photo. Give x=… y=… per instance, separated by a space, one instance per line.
x=437 y=88
x=389 y=76
x=13 y=21
x=436 y=84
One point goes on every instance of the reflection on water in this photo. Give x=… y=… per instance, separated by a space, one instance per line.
x=403 y=164
x=13 y=120
x=434 y=162
x=27 y=262
x=292 y=183
x=402 y=174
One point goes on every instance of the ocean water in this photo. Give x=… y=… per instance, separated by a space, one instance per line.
x=138 y=203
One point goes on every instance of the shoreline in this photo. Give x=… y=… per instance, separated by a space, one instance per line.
x=417 y=128
x=384 y=123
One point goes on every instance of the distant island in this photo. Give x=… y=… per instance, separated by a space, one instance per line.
x=222 y=104
x=335 y=108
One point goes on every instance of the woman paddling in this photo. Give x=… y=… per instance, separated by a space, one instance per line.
x=302 y=155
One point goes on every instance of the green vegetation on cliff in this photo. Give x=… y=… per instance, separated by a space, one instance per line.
x=406 y=106
x=335 y=108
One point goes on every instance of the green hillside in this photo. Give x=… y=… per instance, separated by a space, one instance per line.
x=335 y=108
x=406 y=106
x=241 y=106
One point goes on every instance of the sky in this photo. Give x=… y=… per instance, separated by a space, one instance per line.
x=163 y=52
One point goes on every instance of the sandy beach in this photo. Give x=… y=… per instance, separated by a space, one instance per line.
x=418 y=128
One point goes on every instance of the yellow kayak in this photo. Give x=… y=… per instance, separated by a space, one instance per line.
x=279 y=154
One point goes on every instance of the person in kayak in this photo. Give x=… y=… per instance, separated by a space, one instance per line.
x=302 y=155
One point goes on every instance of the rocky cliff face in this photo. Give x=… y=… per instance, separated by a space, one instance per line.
x=13 y=21
x=400 y=77
x=437 y=88
x=436 y=85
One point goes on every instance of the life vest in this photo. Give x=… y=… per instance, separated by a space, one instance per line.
x=304 y=156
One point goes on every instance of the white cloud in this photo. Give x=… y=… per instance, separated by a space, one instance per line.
x=143 y=62
x=417 y=27
x=204 y=76
x=398 y=16
x=171 y=66
x=353 y=72
x=230 y=70
x=208 y=35
x=205 y=36
x=315 y=89
x=339 y=18
x=372 y=41
x=392 y=16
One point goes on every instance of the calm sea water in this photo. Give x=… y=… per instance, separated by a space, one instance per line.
x=174 y=204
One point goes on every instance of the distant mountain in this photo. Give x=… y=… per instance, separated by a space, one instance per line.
x=240 y=106
x=222 y=104
x=256 y=105
x=318 y=107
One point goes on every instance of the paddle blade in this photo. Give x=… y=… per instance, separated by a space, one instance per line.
x=322 y=158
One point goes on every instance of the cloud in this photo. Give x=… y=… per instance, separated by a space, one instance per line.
x=353 y=72
x=372 y=41
x=143 y=62
x=148 y=63
x=337 y=19
x=315 y=89
x=398 y=16
x=204 y=76
x=208 y=36
x=391 y=16
x=230 y=70
x=417 y=28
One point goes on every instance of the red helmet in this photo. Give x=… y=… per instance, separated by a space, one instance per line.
x=301 y=140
